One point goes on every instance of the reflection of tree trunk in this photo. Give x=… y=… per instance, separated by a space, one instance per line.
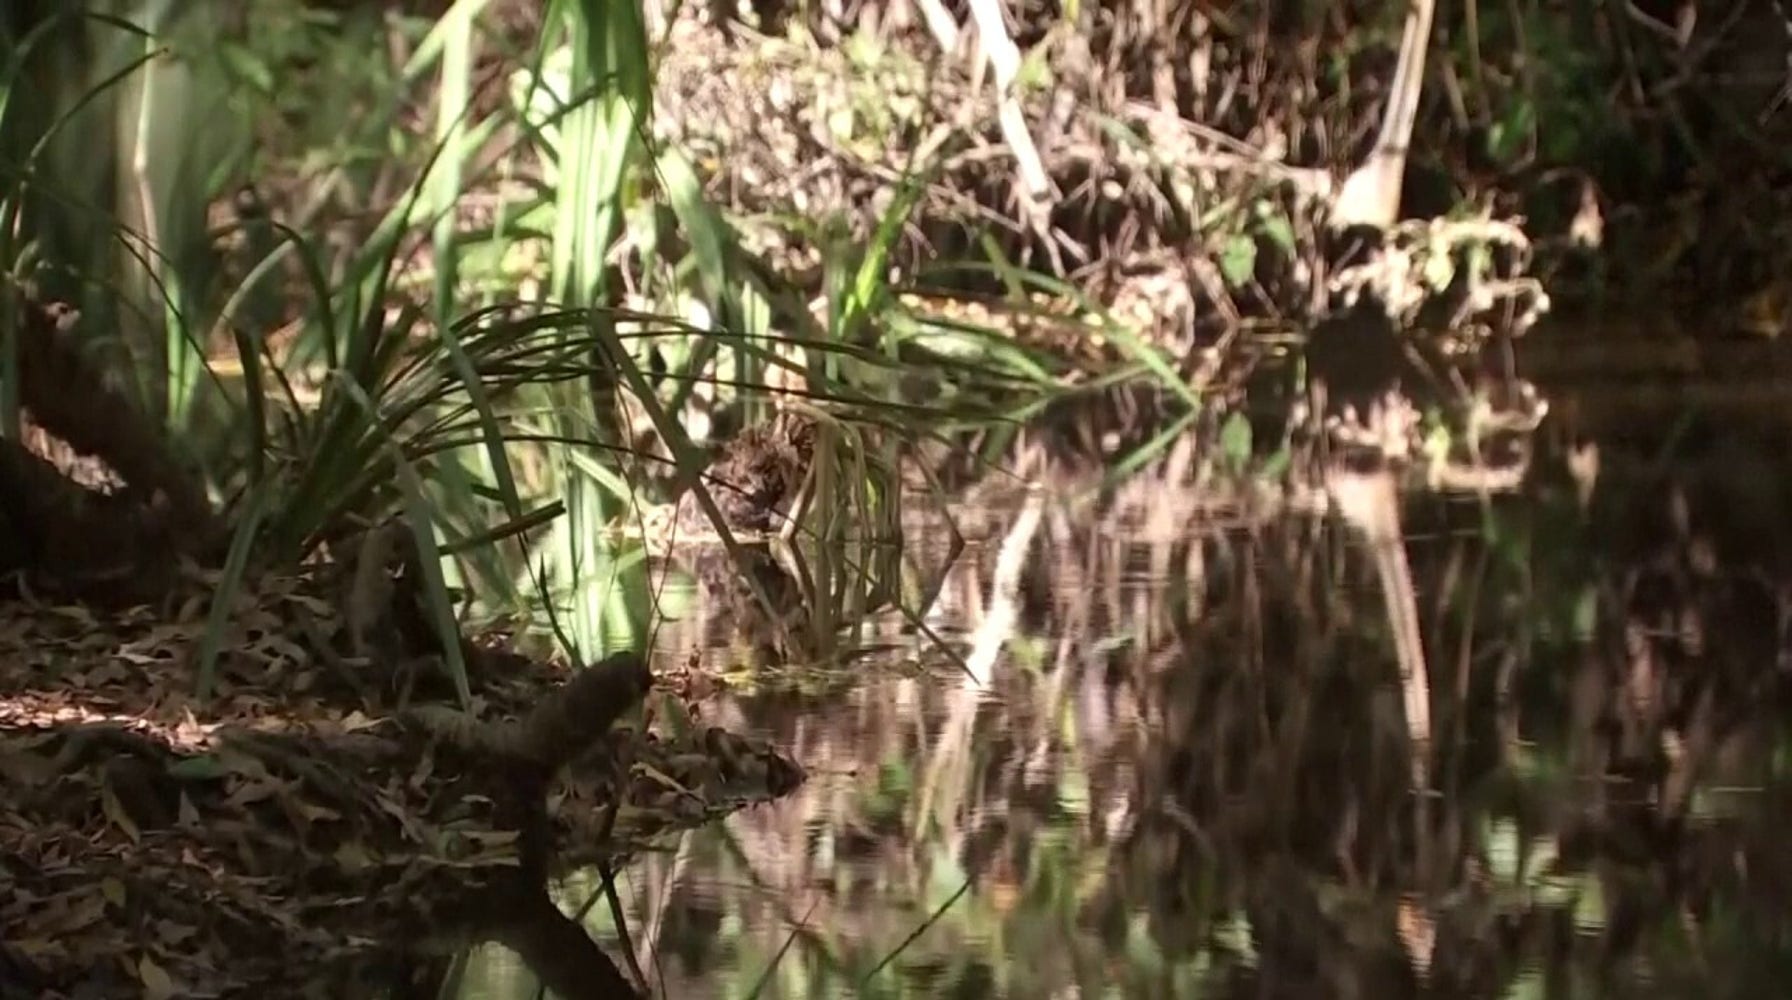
x=515 y=911
x=1698 y=738
x=555 y=947
x=649 y=944
x=1371 y=504
x=1004 y=593
x=519 y=915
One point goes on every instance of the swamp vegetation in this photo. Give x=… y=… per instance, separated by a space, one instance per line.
x=937 y=498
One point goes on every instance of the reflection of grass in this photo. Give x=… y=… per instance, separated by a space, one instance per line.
x=1225 y=809
x=883 y=802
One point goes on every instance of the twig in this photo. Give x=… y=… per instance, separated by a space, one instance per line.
x=940 y=22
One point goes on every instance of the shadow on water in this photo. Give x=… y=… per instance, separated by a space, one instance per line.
x=1191 y=768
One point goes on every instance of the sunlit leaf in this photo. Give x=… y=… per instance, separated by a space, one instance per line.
x=1439 y=270
x=157 y=983
x=1238 y=259
x=1235 y=440
x=1277 y=227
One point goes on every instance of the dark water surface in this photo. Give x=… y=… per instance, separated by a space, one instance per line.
x=1189 y=768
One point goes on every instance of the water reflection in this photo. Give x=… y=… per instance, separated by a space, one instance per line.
x=1191 y=770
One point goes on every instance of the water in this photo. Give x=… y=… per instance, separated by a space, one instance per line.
x=1191 y=769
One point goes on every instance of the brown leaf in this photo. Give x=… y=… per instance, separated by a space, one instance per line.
x=72 y=914
x=116 y=813
x=189 y=813
x=171 y=933
x=353 y=857
x=251 y=792
x=313 y=812
x=356 y=721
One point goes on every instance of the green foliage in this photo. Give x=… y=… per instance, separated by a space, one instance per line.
x=293 y=273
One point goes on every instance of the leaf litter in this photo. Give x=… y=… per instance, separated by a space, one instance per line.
x=328 y=821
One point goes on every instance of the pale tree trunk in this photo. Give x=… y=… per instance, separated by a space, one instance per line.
x=1371 y=194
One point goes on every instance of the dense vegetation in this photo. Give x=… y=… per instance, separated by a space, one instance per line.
x=350 y=348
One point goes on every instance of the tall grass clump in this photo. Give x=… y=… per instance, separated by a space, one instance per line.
x=320 y=367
